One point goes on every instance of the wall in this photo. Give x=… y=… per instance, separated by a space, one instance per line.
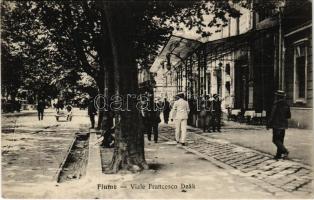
x=301 y=118
x=301 y=112
x=245 y=24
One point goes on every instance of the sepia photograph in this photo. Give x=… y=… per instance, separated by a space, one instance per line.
x=156 y=99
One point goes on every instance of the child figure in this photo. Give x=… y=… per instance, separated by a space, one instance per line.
x=69 y=112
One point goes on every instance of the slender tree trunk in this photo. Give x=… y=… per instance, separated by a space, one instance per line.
x=101 y=91
x=129 y=143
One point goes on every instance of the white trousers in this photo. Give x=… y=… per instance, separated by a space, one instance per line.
x=181 y=130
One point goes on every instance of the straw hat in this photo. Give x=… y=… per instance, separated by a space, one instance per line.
x=280 y=93
x=180 y=94
x=215 y=95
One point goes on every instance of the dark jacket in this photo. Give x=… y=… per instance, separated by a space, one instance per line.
x=217 y=106
x=41 y=106
x=279 y=116
x=167 y=107
x=206 y=108
x=91 y=109
x=155 y=115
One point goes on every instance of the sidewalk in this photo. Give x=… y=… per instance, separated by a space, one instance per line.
x=32 y=150
x=300 y=142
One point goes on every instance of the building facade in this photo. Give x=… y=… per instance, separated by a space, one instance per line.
x=298 y=62
x=255 y=55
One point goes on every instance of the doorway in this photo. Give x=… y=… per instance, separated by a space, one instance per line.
x=241 y=85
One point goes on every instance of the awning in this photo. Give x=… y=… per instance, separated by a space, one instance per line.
x=178 y=48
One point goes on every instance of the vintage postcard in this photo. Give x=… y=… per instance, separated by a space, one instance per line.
x=157 y=99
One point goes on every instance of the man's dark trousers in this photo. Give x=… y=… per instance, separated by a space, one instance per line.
x=92 y=120
x=278 y=140
x=216 y=121
x=155 y=132
x=166 y=117
x=40 y=114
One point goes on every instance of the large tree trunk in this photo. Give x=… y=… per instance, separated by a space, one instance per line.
x=129 y=143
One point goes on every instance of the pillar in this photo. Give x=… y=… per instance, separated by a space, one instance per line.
x=251 y=76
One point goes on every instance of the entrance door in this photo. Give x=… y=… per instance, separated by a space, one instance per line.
x=241 y=85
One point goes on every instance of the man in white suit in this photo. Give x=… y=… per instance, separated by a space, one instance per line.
x=180 y=115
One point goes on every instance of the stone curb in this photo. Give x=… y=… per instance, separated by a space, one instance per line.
x=94 y=168
x=56 y=177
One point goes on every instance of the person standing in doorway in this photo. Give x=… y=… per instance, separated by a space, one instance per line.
x=166 y=110
x=40 y=109
x=180 y=115
x=278 y=121
x=92 y=112
x=216 y=113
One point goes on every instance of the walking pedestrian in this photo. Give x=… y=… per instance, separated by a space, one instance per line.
x=278 y=121
x=92 y=112
x=40 y=109
x=154 y=121
x=166 y=110
x=216 y=113
x=180 y=115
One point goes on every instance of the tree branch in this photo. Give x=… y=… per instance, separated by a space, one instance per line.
x=79 y=46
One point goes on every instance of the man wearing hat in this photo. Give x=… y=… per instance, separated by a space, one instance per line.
x=180 y=114
x=278 y=121
x=216 y=113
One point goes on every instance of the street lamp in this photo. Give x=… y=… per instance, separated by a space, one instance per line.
x=280 y=5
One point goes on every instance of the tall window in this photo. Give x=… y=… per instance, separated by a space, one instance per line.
x=300 y=68
x=228 y=69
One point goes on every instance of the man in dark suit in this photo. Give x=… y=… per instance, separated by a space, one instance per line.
x=216 y=113
x=92 y=111
x=278 y=121
x=166 y=111
x=154 y=121
x=40 y=109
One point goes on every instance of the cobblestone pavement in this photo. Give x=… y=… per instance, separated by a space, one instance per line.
x=298 y=141
x=274 y=176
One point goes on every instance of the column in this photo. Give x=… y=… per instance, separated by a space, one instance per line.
x=251 y=76
x=232 y=77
